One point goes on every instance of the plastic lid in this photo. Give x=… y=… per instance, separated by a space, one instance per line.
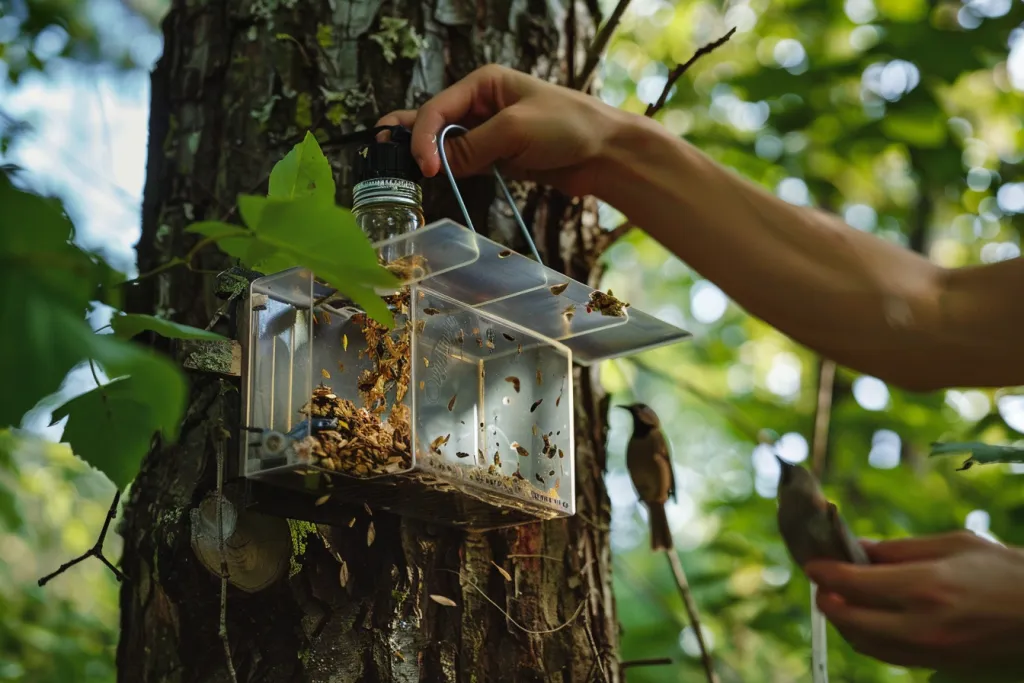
x=390 y=159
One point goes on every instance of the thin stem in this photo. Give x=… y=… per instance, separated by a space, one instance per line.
x=678 y=72
x=691 y=612
x=657 y=661
x=596 y=49
x=822 y=416
x=223 y=630
x=740 y=421
x=95 y=551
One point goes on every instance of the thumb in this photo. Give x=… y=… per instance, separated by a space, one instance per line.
x=496 y=139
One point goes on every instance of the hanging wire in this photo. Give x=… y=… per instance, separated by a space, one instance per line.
x=497 y=176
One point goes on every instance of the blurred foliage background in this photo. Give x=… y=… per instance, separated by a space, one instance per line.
x=903 y=116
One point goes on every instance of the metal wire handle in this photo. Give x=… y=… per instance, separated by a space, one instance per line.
x=497 y=176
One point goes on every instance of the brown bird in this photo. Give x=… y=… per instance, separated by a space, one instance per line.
x=809 y=524
x=650 y=467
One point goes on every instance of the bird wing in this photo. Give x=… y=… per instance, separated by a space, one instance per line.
x=855 y=553
x=665 y=456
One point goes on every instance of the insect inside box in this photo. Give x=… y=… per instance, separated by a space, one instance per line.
x=461 y=414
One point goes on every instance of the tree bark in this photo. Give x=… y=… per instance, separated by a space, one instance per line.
x=239 y=83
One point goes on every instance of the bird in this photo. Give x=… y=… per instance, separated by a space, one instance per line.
x=650 y=468
x=809 y=524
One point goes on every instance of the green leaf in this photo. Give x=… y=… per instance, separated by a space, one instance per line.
x=46 y=284
x=981 y=453
x=111 y=427
x=127 y=326
x=304 y=171
x=307 y=232
x=232 y=239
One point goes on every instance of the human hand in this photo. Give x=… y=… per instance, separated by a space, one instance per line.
x=530 y=128
x=951 y=601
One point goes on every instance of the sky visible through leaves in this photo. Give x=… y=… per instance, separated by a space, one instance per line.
x=903 y=116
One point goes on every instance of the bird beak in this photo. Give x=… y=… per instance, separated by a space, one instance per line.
x=786 y=469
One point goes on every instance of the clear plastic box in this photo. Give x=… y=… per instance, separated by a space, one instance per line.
x=462 y=414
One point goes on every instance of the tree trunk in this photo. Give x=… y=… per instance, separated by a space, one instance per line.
x=238 y=85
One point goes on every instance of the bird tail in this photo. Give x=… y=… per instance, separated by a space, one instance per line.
x=661 y=535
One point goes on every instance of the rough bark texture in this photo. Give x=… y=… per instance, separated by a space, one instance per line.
x=239 y=83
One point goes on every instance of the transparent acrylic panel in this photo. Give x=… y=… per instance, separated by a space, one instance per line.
x=557 y=316
x=435 y=249
x=642 y=332
x=523 y=292
x=401 y=420
x=482 y=414
x=279 y=381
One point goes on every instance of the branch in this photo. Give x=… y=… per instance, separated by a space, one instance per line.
x=822 y=416
x=691 y=612
x=658 y=661
x=95 y=551
x=678 y=72
x=730 y=412
x=582 y=82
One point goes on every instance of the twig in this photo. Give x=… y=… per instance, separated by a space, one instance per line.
x=222 y=631
x=509 y=616
x=545 y=557
x=570 y=42
x=742 y=423
x=822 y=416
x=691 y=612
x=582 y=82
x=678 y=72
x=592 y=522
x=598 y=655
x=95 y=551
x=657 y=661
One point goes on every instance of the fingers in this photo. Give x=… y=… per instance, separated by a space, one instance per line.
x=876 y=623
x=878 y=585
x=497 y=139
x=923 y=548
x=480 y=95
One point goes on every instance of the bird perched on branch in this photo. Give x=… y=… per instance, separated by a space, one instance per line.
x=650 y=467
x=809 y=524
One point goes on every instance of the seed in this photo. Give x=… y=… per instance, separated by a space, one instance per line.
x=505 y=575
x=461 y=454
x=505 y=253
x=535 y=404
x=442 y=600
x=539 y=478
x=508 y=336
x=558 y=400
x=558 y=289
x=514 y=381
x=426 y=362
x=520 y=450
x=321 y=500
x=540 y=377
x=431 y=311
x=423 y=385
x=451 y=404
x=344 y=342
x=561 y=454
x=326 y=374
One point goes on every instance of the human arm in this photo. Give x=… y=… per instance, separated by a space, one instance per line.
x=849 y=295
x=950 y=601
x=860 y=300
